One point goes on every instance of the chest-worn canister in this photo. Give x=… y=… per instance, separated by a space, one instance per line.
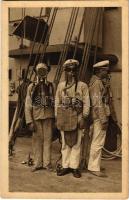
x=71 y=98
x=42 y=95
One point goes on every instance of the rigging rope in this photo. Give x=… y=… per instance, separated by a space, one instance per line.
x=87 y=38
x=46 y=41
x=34 y=41
x=90 y=35
x=69 y=34
x=68 y=43
x=48 y=34
x=86 y=60
x=30 y=57
x=98 y=34
x=47 y=37
x=62 y=53
x=11 y=134
x=40 y=44
x=79 y=34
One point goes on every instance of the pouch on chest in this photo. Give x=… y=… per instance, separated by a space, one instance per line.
x=41 y=95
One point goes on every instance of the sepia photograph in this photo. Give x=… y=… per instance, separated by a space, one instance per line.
x=64 y=92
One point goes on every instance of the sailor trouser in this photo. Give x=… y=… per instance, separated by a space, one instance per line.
x=41 y=142
x=71 y=156
x=97 y=144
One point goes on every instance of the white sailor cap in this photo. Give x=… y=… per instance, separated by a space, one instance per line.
x=103 y=64
x=70 y=63
x=41 y=65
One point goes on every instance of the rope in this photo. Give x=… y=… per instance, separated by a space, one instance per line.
x=98 y=32
x=72 y=31
x=48 y=34
x=88 y=32
x=40 y=45
x=64 y=54
x=47 y=37
x=86 y=39
x=64 y=48
x=91 y=33
x=89 y=48
x=37 y=27
x=79 y=34
x=34 y=41
x=110 y=155
x=91 y=40
x=44 y=49
x=20 y=125
x=24 y=80
x=67 y=46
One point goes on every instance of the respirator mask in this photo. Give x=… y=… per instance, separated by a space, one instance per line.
x=42 y=73
x=71 y=71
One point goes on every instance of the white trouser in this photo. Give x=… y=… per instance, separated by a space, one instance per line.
x=71 y=156
x=97 y=144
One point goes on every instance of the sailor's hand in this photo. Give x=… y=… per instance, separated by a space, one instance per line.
x=82 y=123
x=104 y=126
x=31 y=127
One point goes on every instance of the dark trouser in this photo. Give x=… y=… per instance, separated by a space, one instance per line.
x=42 y=139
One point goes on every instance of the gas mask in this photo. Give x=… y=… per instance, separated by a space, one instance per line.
x=106 y=79
x=42 y=73
x=71 y=72
x=109 y=76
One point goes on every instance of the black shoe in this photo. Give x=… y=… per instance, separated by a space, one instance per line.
x=63 y=172
x=76 y=173
x=34 y=169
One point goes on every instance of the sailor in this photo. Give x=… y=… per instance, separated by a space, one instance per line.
x=100 y=112
x=39 y=113
x=71 y=111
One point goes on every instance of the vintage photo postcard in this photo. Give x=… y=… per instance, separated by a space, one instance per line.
x=64 y=99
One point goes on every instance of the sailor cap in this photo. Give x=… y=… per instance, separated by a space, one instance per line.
x=103 y=64
x=41 y=65
x=70 y=62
